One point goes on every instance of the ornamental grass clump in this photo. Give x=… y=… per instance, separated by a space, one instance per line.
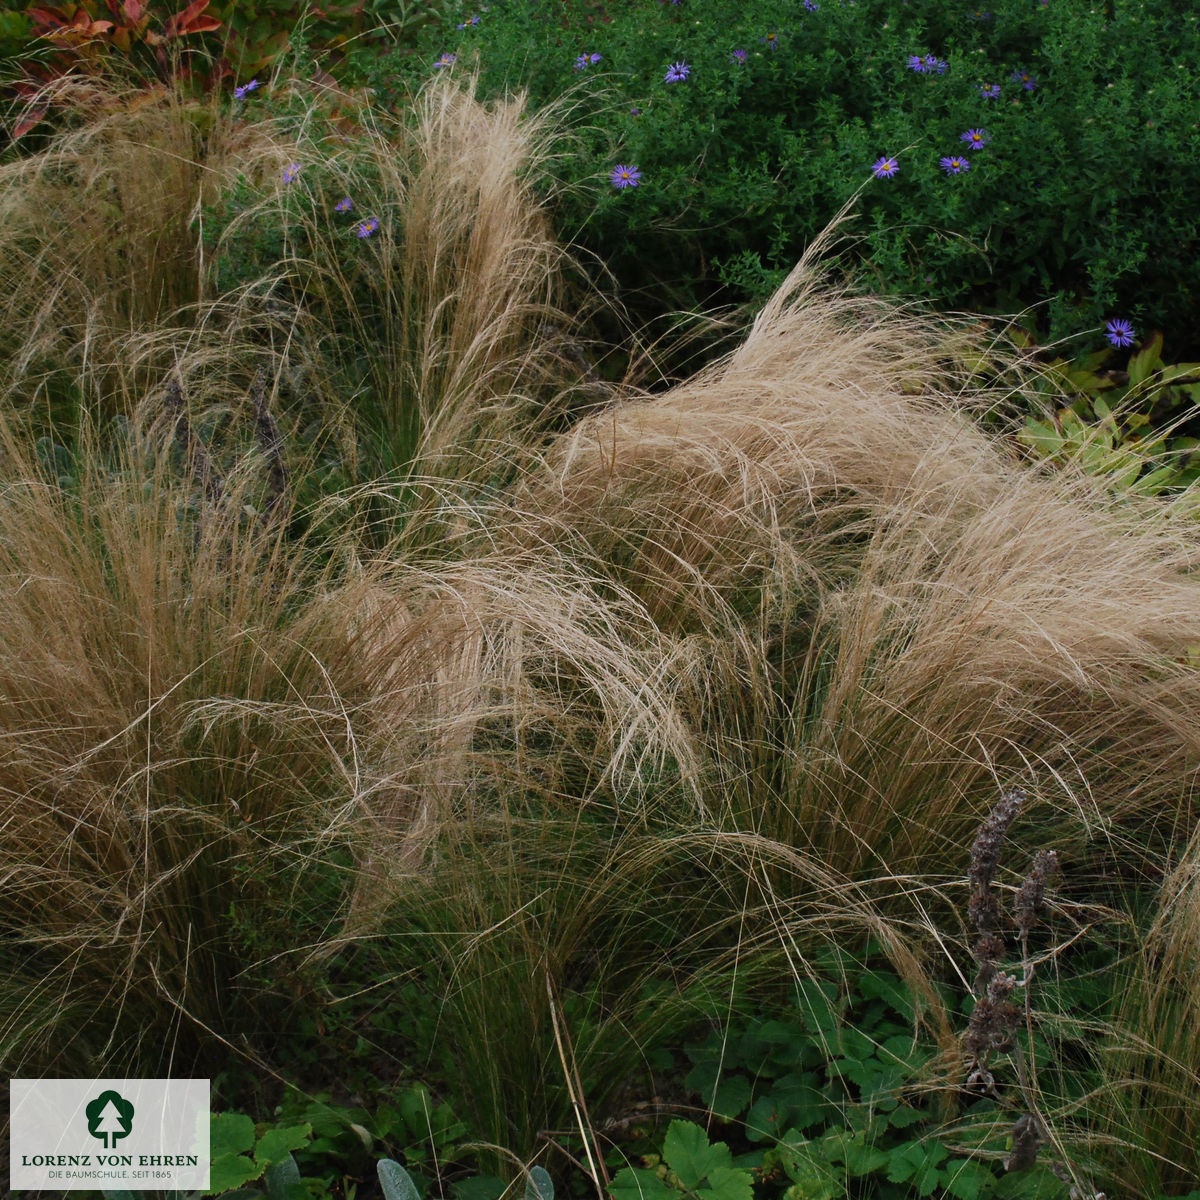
x=891 y=609
x=1147 y=1116
x=179 y=783
x=96 y=241
x=436 y=314
x=791 y=618
x=613 y=720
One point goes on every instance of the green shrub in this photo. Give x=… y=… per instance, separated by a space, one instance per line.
x=1080 y=198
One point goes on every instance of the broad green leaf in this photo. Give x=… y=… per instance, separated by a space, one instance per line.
x=875 y=986
x=1154 y=481
x=817 y=1003
x=689 y=1155
x=733 y=1095
x=637 y=1183
x=928 y=1176
x=812 y=1178
x=797 y=1101
x=766 y=1119
x=396 y=1182
x=277 y=1144
x=479 y=1187
x=231 y=1171
x=856 y=1045
x=539 y=1185
x=967 y=1180
x=912 y=1159
x=1034 y=1183
x=904 y=1116
x=728 y=1183
x=1042 y=437
x=280 y=1176
x=1146 y=361
x=861 y=1159
x=230 y=1133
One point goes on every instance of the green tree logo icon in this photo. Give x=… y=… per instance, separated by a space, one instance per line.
x=109 y=1117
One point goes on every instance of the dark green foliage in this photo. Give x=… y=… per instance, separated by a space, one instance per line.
x=825 y=1099
x=1080 y=200
x=1135 y=427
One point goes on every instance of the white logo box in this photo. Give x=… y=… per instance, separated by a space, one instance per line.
x=134 y=1135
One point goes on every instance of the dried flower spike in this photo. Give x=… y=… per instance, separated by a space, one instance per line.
x=1026 y=1138
x=1032 y=895
x=985 y=853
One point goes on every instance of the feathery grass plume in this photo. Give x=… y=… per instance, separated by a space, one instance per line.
x=96 y=236
x=892 y=610
x=178 y=783
x=1146 y=1119
x=439 y=329
x=270 y=445
x=540 y=817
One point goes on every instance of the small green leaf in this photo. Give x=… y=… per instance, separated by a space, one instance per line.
x=1034 y=1183
x=479 y=1187
x=728 y=1183
x=276 y=1145
x=689 y=1155
x=230 y=1133
x=812 y=1178
x=279 y=1176
x=967 y=1180
x=396 y=1182
x=637 y=1183
x=817 y=1003
x=231 y=1171
x=539 y=1185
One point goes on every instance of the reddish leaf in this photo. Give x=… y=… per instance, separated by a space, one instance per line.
x=49 y=18
x=189 y=20
x=28 y=120
x=134 y=10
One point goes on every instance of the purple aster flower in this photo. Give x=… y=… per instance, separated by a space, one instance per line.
x=885 y=168
x=935 y=65
x=1025 y=79
x=635 y=112
x=469 y=21
x=975 y=137
x=290 y=173
x=239 y=93
x=582 y=63
x=738 y=57
x=979 y=14
x=368 y=227
x=595 y=58
x=445 y=61
x=345 y=204
x=916 y=63
x=1119 y=332
x=955 y=164
x=677 y=72
x=772 y=40
x=989 y=91
x=625 y=177
x=811 y=5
